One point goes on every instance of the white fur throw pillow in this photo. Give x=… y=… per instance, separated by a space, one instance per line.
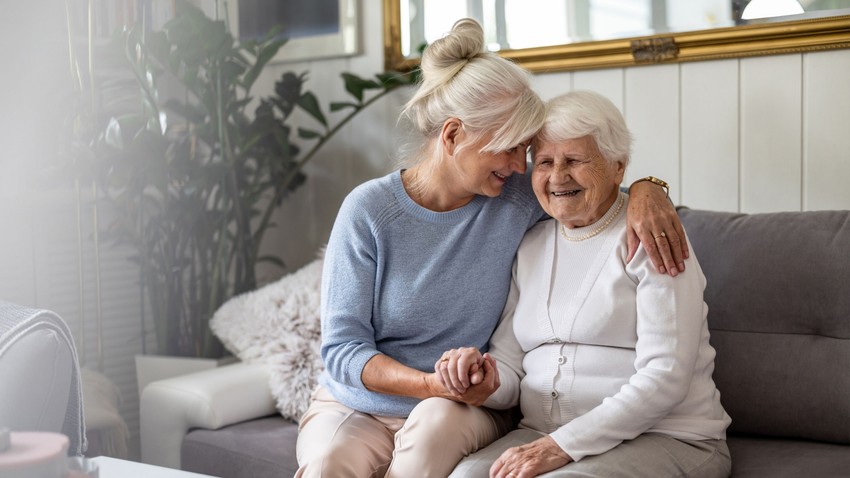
x=278 y=324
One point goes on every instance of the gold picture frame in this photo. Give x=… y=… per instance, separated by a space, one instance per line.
x=812 y=34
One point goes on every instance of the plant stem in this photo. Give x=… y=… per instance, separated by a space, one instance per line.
x=302 y=162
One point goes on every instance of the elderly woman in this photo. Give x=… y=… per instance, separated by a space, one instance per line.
x=608 y=359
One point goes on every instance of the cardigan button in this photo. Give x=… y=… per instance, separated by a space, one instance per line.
x=561 y=359
x=554 y=394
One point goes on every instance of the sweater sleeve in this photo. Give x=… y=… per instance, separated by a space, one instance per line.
x=348 y=283
x=508 y=353
x=670 y=312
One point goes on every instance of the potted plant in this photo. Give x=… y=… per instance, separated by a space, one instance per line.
x=194 y=172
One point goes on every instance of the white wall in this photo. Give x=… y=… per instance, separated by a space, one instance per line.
x=751 y=135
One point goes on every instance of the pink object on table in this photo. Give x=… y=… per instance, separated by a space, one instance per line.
x=35 y=455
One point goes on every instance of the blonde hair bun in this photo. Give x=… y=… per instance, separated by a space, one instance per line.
x=451 y=52
x=489 y=94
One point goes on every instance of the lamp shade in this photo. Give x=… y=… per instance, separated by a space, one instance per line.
x=771 y=8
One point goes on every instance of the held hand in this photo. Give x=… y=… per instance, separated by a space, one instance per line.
x=652 y=221
x=535 y=458
x=478 y=393
x=458 y=369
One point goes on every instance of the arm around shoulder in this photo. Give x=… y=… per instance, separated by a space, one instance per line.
x=653 y=222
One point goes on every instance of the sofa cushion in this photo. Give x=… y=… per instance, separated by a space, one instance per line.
x=278 y=325
x=261 y=448
x=755 y=457
x=782 y=355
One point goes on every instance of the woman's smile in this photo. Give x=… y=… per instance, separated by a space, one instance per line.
x=501 y=177
x=569 y=193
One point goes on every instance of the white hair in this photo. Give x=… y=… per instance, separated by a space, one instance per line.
x=586 y=113
x=487 y=93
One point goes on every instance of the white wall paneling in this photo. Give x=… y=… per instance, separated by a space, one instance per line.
x=826 y=131
x=551 y=85
x=709 y=135
x=771 y=133
x=608 y=82
x=651 y=109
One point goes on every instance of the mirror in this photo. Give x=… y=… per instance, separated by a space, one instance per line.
x=559 y=35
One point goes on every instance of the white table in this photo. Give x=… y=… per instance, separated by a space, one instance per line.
x=115 y=468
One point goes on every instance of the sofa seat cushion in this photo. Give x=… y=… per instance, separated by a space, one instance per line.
x=253 y=449
x=756 y=457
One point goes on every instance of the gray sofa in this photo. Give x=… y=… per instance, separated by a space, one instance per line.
x=779 y=312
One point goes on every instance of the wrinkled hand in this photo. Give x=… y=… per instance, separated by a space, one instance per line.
x=465 y=375
x=535 y=458
x=460 y=368
x=652 y=221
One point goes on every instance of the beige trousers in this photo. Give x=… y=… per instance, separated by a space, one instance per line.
x=336 y=441
x=650 y=455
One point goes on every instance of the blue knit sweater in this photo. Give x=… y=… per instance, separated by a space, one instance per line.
x=411 y=283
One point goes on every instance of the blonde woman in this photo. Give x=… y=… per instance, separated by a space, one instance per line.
x=419 y=262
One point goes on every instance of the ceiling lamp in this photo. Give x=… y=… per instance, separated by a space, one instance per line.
x=771 y=8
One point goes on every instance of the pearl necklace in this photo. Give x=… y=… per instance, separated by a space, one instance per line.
x=599 y=228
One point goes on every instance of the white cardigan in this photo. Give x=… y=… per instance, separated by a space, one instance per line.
x=628 y=353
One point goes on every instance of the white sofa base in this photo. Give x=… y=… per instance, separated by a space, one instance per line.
x=209 y=399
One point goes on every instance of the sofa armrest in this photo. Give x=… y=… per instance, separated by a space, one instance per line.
x=209 y=399
x=36 y=396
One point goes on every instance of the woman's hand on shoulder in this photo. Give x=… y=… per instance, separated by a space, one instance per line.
x=653 y=221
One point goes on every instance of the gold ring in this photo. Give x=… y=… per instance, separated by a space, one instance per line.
x=663 y=234
x=444 y=359
x=511 y=474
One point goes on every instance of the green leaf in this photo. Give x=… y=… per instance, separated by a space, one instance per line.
x=310 y=104
x=273 y=33
x=267 y=52
x=288 y=89
x=239 y=105
x=308 y=134
x=230 y=71
x=158 y=46
x=250 y=45
x=336 y=106
x=393 y=79
x=356 y=85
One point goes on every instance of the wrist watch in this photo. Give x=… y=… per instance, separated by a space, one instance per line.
x=655 y=180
